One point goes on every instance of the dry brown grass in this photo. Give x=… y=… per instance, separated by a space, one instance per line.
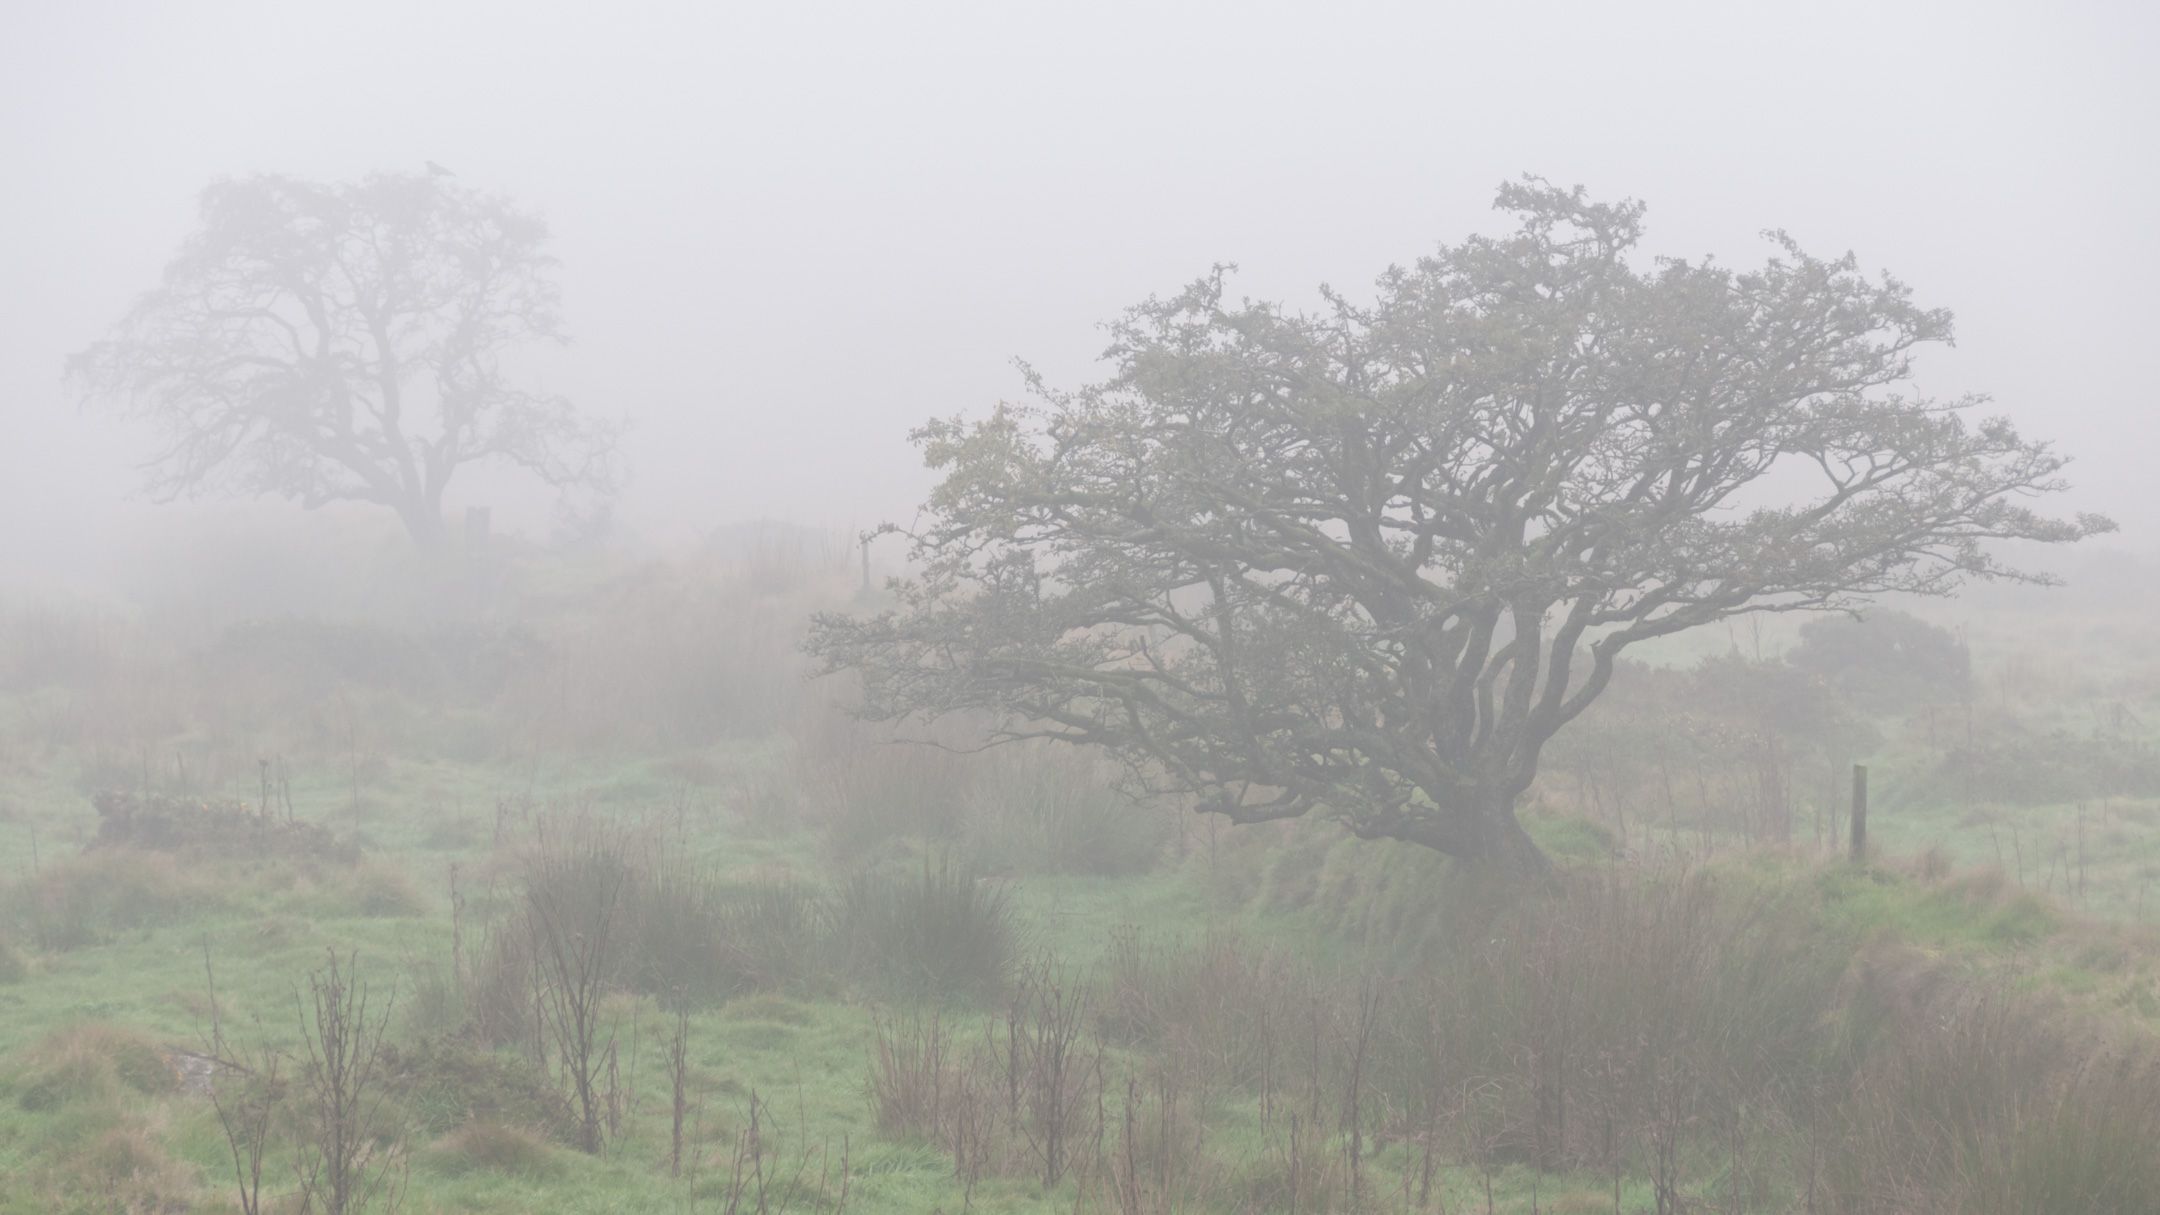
x=91 y=1062
x=1980 y=1098
x=90 y=898
x=493 y=1147
x=126 y=1170
x=681 y=653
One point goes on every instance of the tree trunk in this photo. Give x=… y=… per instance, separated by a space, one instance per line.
x=1483 y=834
x=1508 y=849
x=424 y=523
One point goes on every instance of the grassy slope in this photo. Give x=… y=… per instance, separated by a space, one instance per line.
x=265 y=926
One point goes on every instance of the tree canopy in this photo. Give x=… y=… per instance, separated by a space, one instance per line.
x=1367 y=560
x=344 y=342
x=1885 y=657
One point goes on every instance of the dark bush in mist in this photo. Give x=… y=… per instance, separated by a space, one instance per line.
x=1885 y=659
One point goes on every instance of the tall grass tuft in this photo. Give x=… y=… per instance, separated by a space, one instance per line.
x=680 y=654
x=92 y=1061
x=644 y=919
x=91 y=898
x=1981 y=1099
x=941 y=931
x=868 y=790
x=1035 y=810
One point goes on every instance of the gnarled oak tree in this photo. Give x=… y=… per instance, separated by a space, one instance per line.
x=343 y=342
x=1367 y=562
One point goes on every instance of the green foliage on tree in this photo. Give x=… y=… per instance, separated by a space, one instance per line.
x=1883 y=657
x=1368 y=560
x=345 y=342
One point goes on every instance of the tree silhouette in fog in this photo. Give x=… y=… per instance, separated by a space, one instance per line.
x=344 y=342
x=1368 y=561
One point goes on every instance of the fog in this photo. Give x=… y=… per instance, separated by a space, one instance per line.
x=1585 y=725
x=790 y=233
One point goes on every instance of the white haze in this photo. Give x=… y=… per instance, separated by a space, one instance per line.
x=791 y=232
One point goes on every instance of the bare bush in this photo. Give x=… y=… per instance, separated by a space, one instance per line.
x=574 y=915
x=244 y=1091
x=350 y=1161
x=926 y=1085
x=763 y=1177
x=674 y=928
x=1051 y=1070
x=1025 y=1097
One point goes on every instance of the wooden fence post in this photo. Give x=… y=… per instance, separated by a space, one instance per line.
x=1859 y=812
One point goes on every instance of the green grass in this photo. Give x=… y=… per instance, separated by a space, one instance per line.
x=806 y=1058
x=425 y=795
x=1978 y=914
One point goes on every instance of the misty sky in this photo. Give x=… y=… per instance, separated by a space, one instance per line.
x=790 y=232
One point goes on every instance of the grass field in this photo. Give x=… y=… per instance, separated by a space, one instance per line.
x=995 y=984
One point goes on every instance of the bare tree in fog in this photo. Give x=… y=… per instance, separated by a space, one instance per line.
x=343 y=342
x=1367 y=562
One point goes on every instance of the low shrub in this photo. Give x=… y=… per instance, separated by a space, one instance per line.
x=167 y=823
x=90 y=898
x=1983 y=1100
x=661 y=925
x=2088 y=1147
x=1038 y=811
x=317 y=658
x=943 y=930
x=677 y=655
x=92 y=1062
x=925 y=1084
x=1295 y=1172
x=492 y=1147
x=1218 y=1012
x=494 y=998
x=771 y=1009
x=1571 y=1014
x=1620 y=1006
x=125 y=1168
x=2017 y=764
x=775 y=936
x=868 y=790
x=667 y=932
x=369 y=890
x=692 y=934
x=767 y=801
x=444 y=1084
x=1027 y=1097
